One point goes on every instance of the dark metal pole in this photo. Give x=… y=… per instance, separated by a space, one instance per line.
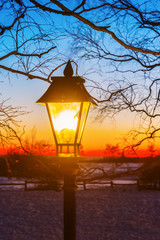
x=69 y=207
x=70 y=169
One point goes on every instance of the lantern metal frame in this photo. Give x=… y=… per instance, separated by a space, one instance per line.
x=76 y=144
x=68 y=89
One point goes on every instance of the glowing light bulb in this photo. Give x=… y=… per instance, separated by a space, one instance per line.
x=66 y=120
x=65 y=125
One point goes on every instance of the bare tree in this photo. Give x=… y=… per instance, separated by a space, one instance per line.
x=119 y=37
x=28 y=41
x=11 y=128
x=28 y=48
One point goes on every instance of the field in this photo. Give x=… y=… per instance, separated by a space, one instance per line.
x=123 y=213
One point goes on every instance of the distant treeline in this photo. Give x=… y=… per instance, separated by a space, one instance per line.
x=3 y=167
x=30 y=166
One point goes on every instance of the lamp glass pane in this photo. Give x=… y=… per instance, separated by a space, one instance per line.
x=65 y=119
x=85 y=108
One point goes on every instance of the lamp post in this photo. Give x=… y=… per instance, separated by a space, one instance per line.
x=67 y=102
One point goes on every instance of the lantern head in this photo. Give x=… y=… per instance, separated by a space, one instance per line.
x=67 y=102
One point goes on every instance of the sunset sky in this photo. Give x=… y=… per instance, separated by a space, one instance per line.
x=97 y=134
x=22 y=92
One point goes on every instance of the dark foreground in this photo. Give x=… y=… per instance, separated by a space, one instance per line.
x=104 y=214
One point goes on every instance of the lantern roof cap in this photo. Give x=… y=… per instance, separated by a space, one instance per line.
x=67 y=88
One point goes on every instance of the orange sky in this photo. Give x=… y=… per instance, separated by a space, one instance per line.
x=96 y=135
x=95 y=138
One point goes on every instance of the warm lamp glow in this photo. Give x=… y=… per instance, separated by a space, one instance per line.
x=65 y=119
x=65 y=125
x=68 y=120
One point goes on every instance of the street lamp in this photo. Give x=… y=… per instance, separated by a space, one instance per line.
x=67 y=102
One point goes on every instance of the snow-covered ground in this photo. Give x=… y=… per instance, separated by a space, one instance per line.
x=122 y=213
